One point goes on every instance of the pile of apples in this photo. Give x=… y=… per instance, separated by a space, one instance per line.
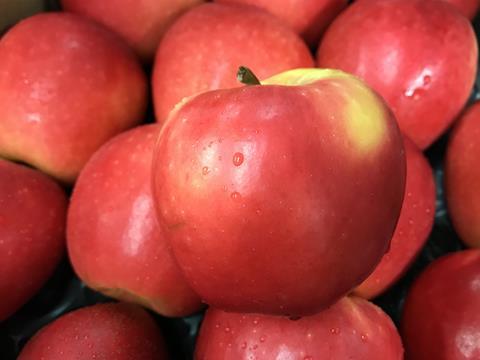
x=257 y=161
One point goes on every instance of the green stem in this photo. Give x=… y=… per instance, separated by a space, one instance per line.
x=246 y=76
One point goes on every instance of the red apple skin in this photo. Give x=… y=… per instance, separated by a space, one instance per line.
x=462 y=176
x=113 y=238
x=352 y=328
x=113 y=331
x=33 y=209
x=441 y=317
x=254 y=189
x=203 y=49
x=140 y=23
x=413 y=227
x=67 y=85
x=399 y=47
x=309 y=18
x=468 y=8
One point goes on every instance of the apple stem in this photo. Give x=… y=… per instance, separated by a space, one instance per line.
x=246 y=76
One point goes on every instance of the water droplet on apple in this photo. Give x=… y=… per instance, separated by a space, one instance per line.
x=237 y=159
x=255 y=321
x=244 y=345
x=413 y=93
x=364 y=337
x=227 y=329
x=262 y=339
x=235 y=195
x=335 y=331
x=427 y=79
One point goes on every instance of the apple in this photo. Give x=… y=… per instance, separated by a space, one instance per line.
x=67 y=85
x=352 y=328
x=441 y=317
x=203 y=49
x=420 y=55
x=102 y=331
x=309 y=18
x=12 y=11
x=141 y=23
x=286 y=193
x=413 y=227
x=462 y=176
x=469 y=8
x=113 y=238
x=32 y=233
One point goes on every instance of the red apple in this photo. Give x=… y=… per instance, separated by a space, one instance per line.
x=66 y=86
x=280 y=199
x=102 y=331
x=32 y=233
x=352 y=329
x=113 y=238
x=141 y=23
x=462 y=176
x=420 y=55
x=309 y=18
x=441 y=317
x=469 y=8
x=413 y=227
x=204 y=48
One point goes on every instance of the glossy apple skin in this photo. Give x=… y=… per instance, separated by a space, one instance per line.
x=469 y=8
x=114 y=241
x=265 y=190
x=113 y=331
x=400 y=49
x=413 y=227
x=309 y=18
x=203 y=49
x=352 y=328
x=462 y=176
x=441 y=317
x=66 y=86
x=140 y=23
x=33 y=209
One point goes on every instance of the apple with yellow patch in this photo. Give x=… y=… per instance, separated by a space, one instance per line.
x=280 y=198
